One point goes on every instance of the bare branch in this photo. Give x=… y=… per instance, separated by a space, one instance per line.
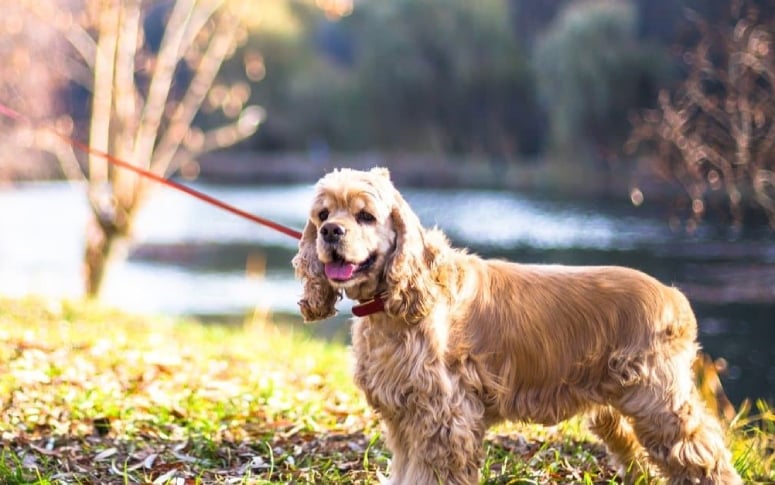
x=82 y=42
x=125 y=99
x=218 y=138
x=78 y=73
x=199 y=18
x=209 y=65
x=102 y=102
x=718 y=129
x=164 y=70
x=65 y=154
x=763 y=180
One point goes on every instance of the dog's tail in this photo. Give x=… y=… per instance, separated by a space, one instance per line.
x=680 y=324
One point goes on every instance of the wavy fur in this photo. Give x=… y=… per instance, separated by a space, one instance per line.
x=466 y=342
x=319 y=296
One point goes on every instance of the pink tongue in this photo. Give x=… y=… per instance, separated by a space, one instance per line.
x=340 y=271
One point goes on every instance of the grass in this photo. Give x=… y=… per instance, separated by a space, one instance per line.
x=92 y=395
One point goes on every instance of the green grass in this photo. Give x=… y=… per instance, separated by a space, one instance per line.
x=92 y=395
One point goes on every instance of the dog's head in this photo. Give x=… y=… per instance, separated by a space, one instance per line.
x=362 y=239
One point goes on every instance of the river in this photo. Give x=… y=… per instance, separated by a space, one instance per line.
x=192 y=259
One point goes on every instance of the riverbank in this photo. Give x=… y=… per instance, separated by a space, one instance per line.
x=601 y=181
x=620 y=182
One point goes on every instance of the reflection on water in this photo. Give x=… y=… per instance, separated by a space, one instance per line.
x=190 y=258
x=503 y=220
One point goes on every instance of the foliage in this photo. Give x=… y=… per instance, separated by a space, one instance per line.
x=91 y=395
x=404 y=75
x=754 y=445
x=715 y=133
x=310 y=100
x=455 y=67
x=591 y=71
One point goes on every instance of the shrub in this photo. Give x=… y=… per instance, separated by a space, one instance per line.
x=591 y=72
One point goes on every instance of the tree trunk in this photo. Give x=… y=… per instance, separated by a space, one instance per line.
x=101 y=243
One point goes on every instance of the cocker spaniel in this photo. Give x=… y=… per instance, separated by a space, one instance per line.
x=451 y=343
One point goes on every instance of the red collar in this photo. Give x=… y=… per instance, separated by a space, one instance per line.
x=369 y=307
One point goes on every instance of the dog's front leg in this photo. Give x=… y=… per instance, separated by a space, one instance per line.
x=399 y=463
x=451 y=457
x=439 y=443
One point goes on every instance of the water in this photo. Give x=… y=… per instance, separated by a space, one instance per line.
x=189 y=258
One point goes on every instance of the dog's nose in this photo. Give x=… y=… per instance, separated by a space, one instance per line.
x=331 y=232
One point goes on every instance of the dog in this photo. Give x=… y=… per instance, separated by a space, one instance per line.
x=450 y=344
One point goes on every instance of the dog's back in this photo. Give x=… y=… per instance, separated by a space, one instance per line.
x=560 y=337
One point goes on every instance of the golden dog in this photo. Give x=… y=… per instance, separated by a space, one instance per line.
x=456 y=343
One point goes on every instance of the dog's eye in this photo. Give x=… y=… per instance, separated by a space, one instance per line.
x=323 y=215
x=365 y=217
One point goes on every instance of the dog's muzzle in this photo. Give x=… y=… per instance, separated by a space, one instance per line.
x=332 y=233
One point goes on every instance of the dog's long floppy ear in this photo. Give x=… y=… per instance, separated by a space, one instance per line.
x=411 y=292
x=319 y=297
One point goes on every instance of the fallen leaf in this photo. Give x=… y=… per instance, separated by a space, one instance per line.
x=148 y=462
x=166 y=477
x=106 y=453
x=30 y=461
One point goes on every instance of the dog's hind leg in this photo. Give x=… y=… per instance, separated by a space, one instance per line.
x=681 y=437
x=620 y=440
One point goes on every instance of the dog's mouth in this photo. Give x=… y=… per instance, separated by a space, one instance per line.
x=341 y=270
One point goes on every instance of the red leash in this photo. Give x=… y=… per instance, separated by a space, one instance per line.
x=9 y=113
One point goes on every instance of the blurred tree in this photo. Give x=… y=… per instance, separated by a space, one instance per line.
x=30 y=85
x=715 y=133
x=309 y=95
x=591 y=72
x=443 y=75
x=149 y=68
x=531 y=17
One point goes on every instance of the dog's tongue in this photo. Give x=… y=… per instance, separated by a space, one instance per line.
x=340 y=270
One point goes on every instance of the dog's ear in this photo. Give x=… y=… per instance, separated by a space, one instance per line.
x=319 y=297
x=411 y=292
x=381 y=171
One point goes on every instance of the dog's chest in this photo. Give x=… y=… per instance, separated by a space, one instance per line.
x=393 y=367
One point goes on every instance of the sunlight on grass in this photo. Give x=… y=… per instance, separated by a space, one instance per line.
x=78 y=379
x=93 y=395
